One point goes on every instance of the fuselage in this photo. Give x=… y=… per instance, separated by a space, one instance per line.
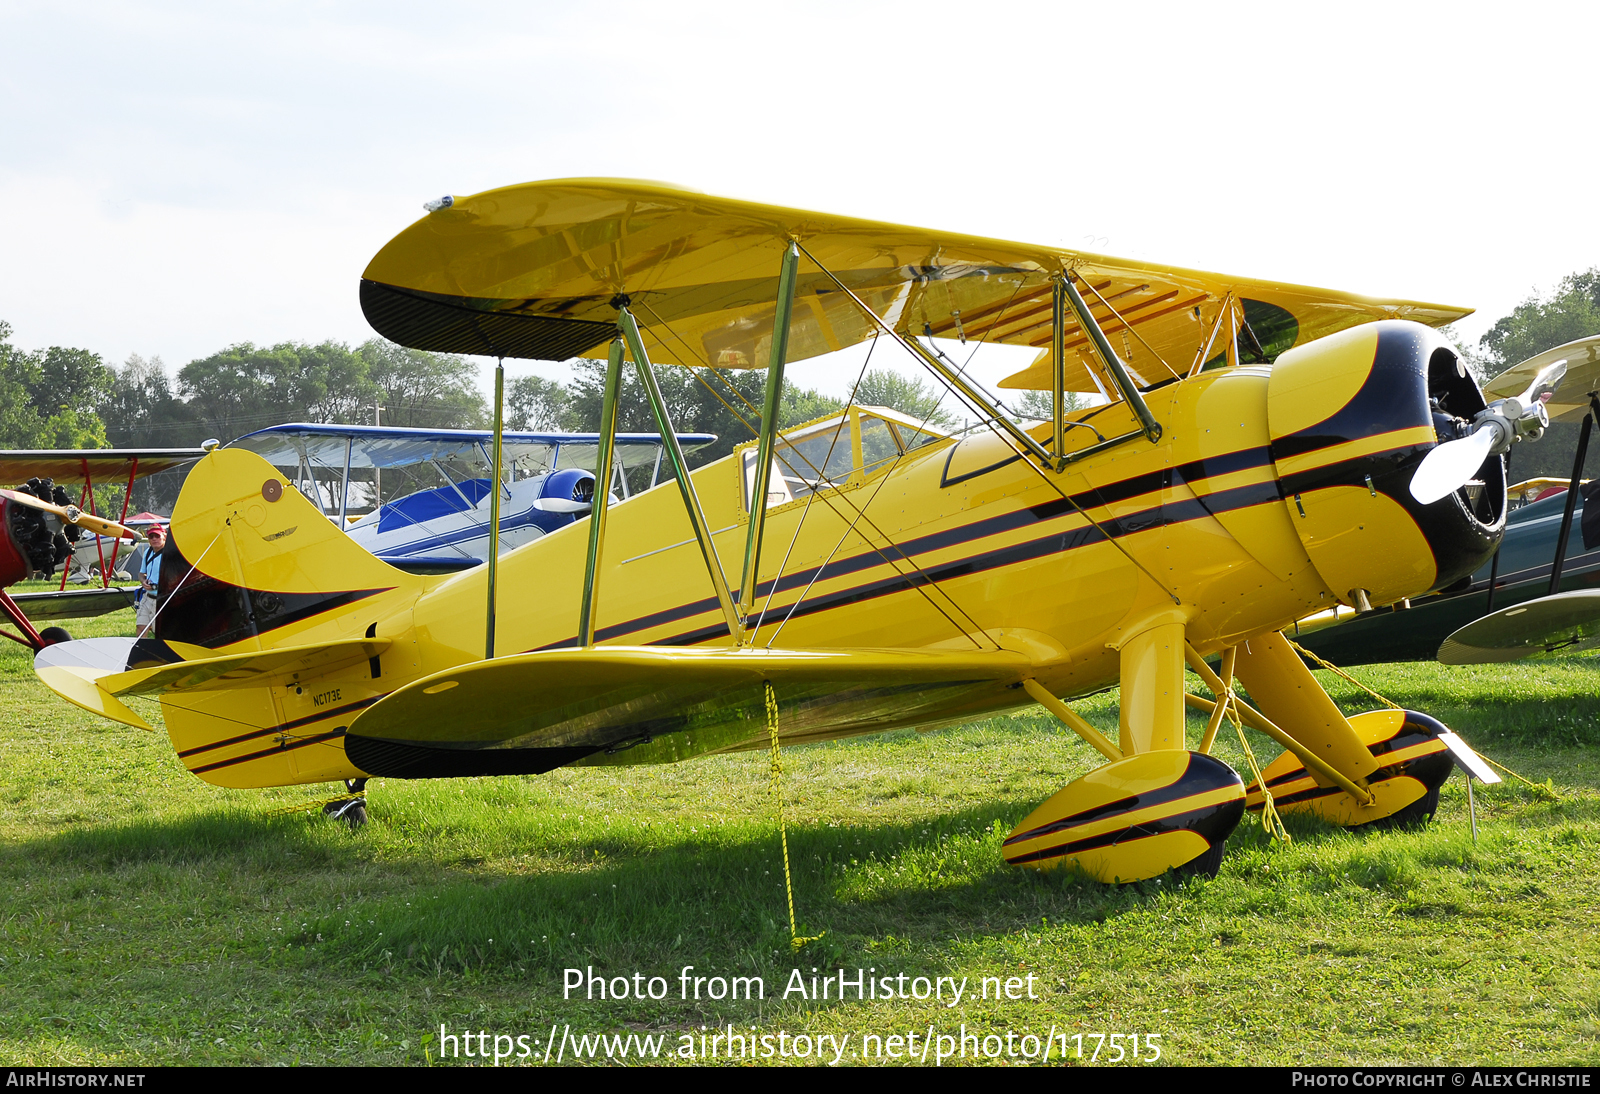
x=1250 y=512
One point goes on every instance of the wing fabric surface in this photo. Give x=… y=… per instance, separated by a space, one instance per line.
x=99 y=464
x=389 y=446
x=1560 y=623
x=534 y=271
x=75 y=603
x=652 y=704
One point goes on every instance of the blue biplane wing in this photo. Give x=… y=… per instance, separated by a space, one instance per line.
x=392 y=446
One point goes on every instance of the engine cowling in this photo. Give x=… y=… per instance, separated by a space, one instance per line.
x=1351 y=416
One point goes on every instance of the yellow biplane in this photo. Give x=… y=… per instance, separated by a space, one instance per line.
x=1253 y=461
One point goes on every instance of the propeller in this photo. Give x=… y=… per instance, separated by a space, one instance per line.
x=1452 y=464
x=1496 y=428
x=71 y=514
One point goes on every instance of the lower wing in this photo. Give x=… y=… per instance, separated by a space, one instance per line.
x=652 y=704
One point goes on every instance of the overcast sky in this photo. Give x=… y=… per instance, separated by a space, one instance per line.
x=175 y=178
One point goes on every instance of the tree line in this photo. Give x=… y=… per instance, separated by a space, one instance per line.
x=62 y=397
x=71 y=398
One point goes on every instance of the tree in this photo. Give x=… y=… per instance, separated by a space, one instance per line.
x=141 y=411
x=334 y=384
x=1571 y=312
x=1040 y=405
x=914 y=398
x=699 y=400
x=48 y=397
x=73 y=378
x=803 y=405
x=244 y=387
x=427 y=390
x=534 y=403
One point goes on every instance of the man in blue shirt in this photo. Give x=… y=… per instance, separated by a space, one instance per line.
x=150 y=579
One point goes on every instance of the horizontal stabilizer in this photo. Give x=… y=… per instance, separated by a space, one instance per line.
x=93 y=672
x=77 y=686
x=245 y=670
x=655 y=704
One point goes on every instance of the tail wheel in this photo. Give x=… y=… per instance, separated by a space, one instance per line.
x=352 y=811
x=52 y=635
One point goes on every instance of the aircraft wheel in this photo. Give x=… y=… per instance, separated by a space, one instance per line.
x=1405 y=790
x=1135 y=819
x=52 y=635
x=1207 y=865
x=352 y=811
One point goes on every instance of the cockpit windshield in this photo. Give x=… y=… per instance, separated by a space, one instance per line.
x=838 y=451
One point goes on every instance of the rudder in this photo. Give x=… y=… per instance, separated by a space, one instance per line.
x=248 y=554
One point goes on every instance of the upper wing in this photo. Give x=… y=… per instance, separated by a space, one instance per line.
x=649 y=704
x=533 y=270
x=108 y=465
x=1571 y=400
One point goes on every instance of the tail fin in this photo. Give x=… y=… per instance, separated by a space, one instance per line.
x=248 y=554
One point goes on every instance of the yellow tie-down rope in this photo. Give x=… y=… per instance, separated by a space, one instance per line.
x=1544 y=791
x=320 y=803
x=795 y=940
x=1271 y=822
x=1227 y=706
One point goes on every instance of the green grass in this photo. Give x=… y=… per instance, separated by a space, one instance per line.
x=148 y=918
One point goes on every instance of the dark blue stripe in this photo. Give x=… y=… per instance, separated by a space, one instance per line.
x=1160 y=516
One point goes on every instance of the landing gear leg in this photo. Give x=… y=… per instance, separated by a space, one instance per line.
x=1159 y=806
x=1397 y=756
x=351 y=810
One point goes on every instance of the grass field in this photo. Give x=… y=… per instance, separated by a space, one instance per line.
x=147 y=918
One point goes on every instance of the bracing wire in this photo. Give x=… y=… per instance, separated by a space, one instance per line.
x=836 y=496
x=978 y=411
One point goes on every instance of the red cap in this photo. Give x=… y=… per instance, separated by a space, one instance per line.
x=155 y=530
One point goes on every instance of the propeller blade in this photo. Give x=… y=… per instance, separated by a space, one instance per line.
x=1451 y=465
x=562 y=505
x=1565 y=622
x=1547 y=380
x=73 y=515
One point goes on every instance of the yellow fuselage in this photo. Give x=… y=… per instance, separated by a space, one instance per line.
x=1210 y=528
